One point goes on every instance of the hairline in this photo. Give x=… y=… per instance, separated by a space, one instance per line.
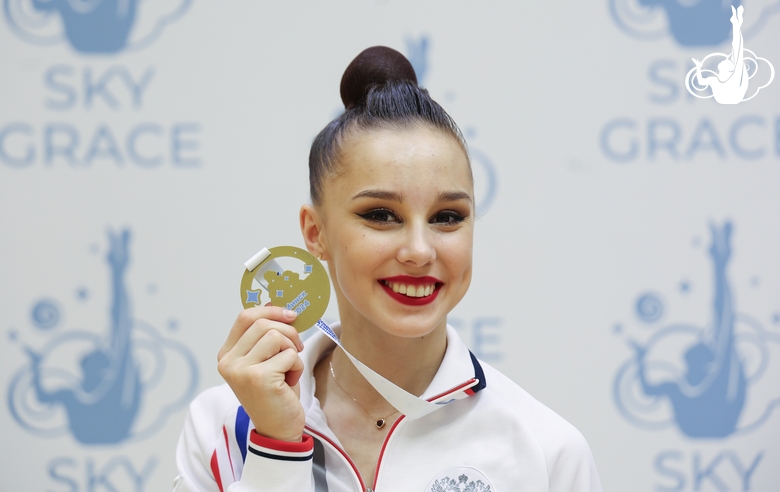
x=353 y=130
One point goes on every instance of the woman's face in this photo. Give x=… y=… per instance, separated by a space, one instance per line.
x=397 y=225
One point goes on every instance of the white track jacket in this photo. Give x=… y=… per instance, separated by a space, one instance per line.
x=491 y=437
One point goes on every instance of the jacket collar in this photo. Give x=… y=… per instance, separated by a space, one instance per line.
x=460 y=375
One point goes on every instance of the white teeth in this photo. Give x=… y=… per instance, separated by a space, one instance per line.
x=411 y=290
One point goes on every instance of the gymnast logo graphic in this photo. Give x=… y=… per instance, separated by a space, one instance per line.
x=730 y=84
x=92 y=26
x=130 y=380
x=708 y=398
x=690 y=22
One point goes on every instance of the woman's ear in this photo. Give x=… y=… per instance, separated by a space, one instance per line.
x=311 y=228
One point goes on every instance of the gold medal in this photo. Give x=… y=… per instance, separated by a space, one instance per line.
x=301 y=285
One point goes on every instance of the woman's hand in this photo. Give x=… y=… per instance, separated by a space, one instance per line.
x=260 y=363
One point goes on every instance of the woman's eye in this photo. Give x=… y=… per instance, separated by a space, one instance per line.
x=380 y=215
x=447 y=217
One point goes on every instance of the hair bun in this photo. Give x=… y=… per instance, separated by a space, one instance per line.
x=373 y=66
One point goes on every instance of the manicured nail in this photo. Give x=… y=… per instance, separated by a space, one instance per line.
x=290 y=314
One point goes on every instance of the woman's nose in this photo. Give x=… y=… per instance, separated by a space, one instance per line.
x=417 y=248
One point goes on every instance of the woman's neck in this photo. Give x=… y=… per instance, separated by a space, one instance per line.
x=410 y=363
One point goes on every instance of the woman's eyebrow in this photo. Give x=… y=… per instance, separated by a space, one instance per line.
x=453 y=196
x=444 y=196
x=380 y=194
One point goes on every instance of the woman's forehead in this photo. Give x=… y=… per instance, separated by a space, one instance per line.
x=398 y=155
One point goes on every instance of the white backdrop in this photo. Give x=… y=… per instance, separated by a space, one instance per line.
x=600 y=182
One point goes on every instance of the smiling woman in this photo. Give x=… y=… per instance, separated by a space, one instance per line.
x=392 y=213
x=399 y=210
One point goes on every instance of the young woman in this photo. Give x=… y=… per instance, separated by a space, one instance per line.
x=392 y=214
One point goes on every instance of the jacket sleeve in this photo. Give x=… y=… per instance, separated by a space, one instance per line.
x=210 y=458
x=572 y=469
x=276 y=466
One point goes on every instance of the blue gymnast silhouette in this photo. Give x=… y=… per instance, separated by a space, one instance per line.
x=701 y=23
x=707 y=403
x=103 y=409
x=94 y=26
x=690 y=22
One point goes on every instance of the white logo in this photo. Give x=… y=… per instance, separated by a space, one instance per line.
x=460 y=479
x=730 y=84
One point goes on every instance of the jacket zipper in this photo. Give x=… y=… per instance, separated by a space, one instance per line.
x=363 y=486
x=398 y=421
x=382 y=451
x=344 y=454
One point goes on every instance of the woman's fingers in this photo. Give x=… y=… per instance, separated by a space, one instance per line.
x=255 y=350
x=287 y=364
x=269 y=345
x=263 y=318
x=265 y=366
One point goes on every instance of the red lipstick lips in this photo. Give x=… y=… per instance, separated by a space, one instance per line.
x=416 y=282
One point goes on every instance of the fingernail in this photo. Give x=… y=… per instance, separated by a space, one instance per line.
x=290 y=314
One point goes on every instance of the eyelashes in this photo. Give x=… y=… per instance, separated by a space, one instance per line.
x=384 y=216
x=447 y=217
x=380 y=216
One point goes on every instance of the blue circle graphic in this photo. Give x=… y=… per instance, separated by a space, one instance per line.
x=649 y=307
x=45 y=314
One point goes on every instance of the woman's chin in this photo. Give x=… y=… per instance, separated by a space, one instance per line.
x=412 y=326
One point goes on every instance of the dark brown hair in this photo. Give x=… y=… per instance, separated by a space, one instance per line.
x=379 y=90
